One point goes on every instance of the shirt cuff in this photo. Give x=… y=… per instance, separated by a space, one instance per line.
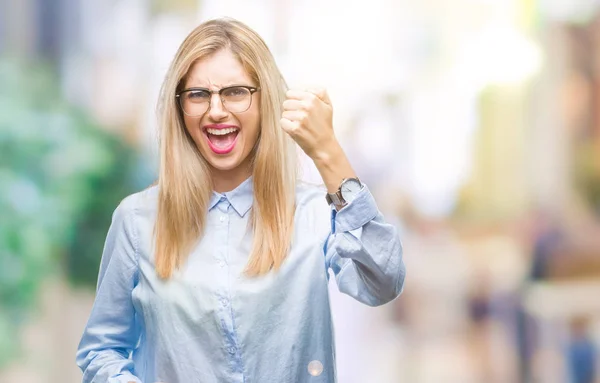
x=357 y=213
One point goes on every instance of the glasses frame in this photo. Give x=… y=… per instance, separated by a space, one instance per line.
x=251 y=89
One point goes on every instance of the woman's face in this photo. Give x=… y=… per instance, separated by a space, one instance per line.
x=224 y=138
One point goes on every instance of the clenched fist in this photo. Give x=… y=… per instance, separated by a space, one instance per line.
x=307 y=118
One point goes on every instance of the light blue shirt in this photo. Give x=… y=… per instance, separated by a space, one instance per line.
x=210 y=323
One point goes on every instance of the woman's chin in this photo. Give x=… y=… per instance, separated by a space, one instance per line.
x=225 y=163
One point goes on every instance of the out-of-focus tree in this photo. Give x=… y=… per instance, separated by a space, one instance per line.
x=61 y=177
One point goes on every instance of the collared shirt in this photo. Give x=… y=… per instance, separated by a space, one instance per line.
x=211 y=323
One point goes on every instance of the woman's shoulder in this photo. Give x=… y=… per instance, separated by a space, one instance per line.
x=311 y=195
x=143 y=201
x=312 y=211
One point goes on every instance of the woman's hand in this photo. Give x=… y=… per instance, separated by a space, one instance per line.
x=308 y=119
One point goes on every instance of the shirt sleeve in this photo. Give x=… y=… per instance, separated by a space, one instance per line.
x=112 y=331
x=365 y=252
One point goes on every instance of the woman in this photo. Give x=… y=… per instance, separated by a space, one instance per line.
x=219 y=272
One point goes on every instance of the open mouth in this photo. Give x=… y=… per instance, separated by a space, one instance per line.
x=222 y=140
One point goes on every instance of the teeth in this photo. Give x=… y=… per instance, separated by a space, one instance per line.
x=221 y=132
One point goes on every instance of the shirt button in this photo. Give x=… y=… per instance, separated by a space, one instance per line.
x=231 y=350
x=222 y=219
x=224 y=302
x=221 y=263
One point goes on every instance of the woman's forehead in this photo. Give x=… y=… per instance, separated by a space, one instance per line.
x=219 y=70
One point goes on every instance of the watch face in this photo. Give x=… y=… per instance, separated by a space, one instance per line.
x=350 y=189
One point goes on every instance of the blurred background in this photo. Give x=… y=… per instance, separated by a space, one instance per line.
x=475 y=122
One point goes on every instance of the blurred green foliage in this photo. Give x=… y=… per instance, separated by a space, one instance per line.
x=61 y=176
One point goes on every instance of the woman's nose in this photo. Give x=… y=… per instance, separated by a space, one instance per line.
x=217 y=109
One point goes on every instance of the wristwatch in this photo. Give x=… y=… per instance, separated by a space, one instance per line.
x=348 y=190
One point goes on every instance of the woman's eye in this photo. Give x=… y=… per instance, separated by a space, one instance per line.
x=198 y=95
x=236 y=92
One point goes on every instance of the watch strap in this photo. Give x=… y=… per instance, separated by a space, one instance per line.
x=336 y=199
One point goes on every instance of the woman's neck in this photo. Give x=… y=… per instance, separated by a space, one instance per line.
x=227 y=180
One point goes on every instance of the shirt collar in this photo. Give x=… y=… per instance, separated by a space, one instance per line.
x=240 y=198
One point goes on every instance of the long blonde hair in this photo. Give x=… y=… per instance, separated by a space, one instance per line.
x=185 y=183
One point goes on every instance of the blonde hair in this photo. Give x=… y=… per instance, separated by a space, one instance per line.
x=184 y=182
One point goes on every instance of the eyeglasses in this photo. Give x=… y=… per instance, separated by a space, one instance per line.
x=196 y=101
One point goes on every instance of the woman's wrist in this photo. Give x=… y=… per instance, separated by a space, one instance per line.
x=333 y=165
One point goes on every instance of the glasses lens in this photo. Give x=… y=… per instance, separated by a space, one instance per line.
x=236 y=99
x=195 y=102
